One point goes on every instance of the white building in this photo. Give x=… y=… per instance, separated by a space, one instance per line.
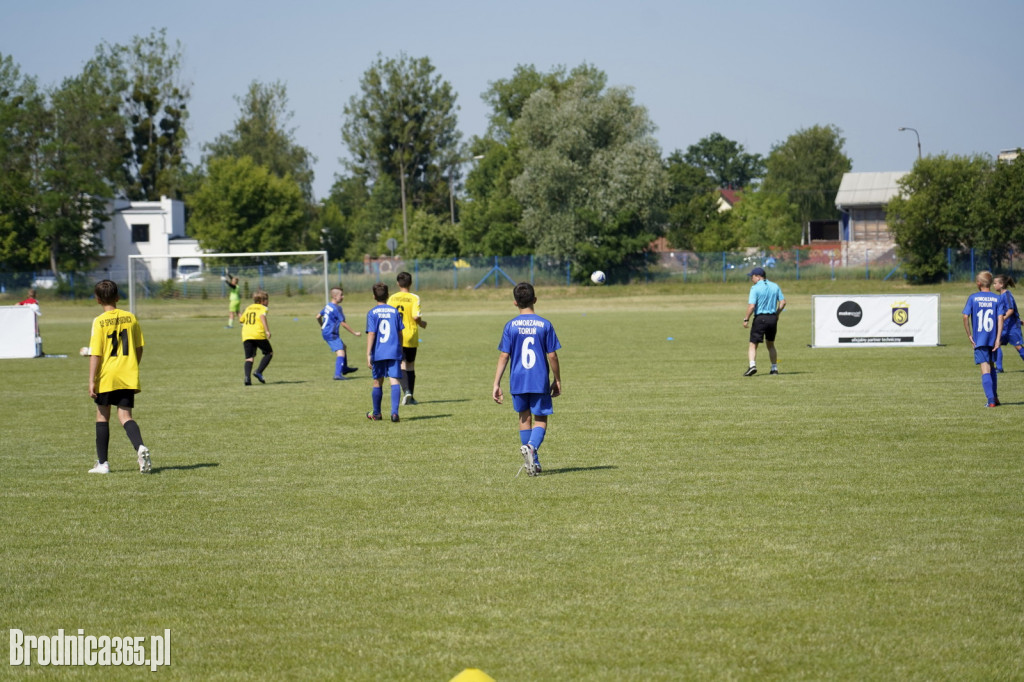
x=151 y=228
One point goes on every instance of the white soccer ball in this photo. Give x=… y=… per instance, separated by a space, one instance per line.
x=83 y=351
x=597 y=277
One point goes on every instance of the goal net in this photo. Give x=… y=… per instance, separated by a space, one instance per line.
x=165 y=281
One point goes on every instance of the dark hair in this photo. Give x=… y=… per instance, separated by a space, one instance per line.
x=404 y=280
x=106 y=292
x=524 y=295
x=1006 y=280
x=260 y=297
x=380 y=292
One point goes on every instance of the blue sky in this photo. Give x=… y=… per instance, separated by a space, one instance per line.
x=754 y=71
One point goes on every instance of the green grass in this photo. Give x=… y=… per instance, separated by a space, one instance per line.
x=857 y=517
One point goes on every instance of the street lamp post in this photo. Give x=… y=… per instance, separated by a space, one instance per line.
x=918 y=139
x=451 y=182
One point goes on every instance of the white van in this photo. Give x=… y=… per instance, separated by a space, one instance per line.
x=189 y=269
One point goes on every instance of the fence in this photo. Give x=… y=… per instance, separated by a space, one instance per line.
x=492 y=271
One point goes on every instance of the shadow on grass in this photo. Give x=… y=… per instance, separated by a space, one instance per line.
x=184 y=467
x=438 y=402
x=573 y=470
x=428 y=416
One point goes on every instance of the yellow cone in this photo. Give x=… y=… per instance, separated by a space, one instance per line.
x=472 y=675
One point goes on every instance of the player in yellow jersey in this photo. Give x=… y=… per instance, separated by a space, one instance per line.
x=408 y=304
x=256 y=334
x=115 y=350
x=234 y=299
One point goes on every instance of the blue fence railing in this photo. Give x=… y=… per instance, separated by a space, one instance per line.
x=500 y=271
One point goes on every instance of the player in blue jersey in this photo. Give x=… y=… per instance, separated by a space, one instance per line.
x=983 y=321
x=331 y=319
x=1001 y=284
x=529 y=345
x=764 y=304
x=384 y=351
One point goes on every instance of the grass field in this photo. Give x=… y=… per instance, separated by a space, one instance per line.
x=858 y=517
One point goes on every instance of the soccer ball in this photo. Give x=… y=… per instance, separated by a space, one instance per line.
x=83 y=351
x=597 y=277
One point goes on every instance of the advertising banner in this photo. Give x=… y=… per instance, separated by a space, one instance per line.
x=17 y=332
x=875 y=320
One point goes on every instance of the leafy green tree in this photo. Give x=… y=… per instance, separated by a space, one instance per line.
x=147 y=74
x=725 y=162
x=692 y=201
x=508 y=96
x=432 y=237
x=60 y=156
x=403 y=125
x=22 y=115
x=369 y=215
x=261 y=133
x=807 y=168
x=942 y=204
x=592 y=180
x=765 y=220
x=242 y=206
x=489 y=223
x=1006 y=192
x=80 y=169
x=490 y=219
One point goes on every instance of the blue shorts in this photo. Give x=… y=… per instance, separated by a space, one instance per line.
x=1013 y=337
x=537 y=403
x=984 y=354
x=335 y=344
x=387 y=368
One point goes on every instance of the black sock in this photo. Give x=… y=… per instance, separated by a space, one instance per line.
x=134 y=435
x=412 y=381
x=264 y=361
x=102 y=441
x=248 y=370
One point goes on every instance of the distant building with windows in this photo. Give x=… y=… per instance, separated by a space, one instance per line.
x=151 y=228
x=861 y=199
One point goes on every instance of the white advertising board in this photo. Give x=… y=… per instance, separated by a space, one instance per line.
x=875 y=320
x=17 y=332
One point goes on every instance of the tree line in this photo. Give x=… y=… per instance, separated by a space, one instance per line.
x=568 y=169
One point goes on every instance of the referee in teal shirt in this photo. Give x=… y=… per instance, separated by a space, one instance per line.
x=764 y=304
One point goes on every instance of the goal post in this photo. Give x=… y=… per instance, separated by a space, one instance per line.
x=202 y=276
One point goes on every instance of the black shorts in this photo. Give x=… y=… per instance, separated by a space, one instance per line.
x=409 y=354
x=250 y=346
x=124 y=397
x=764 y=328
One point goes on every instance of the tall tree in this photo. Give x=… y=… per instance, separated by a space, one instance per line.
x=261 y=133
x=491 y=218
x=692 y=201
x=765 y=219
x=942 y=204
x=724 y=161
x=81 y=168
x=1006 y=194
x=23 y=115
x=592 y=185
x=147 y=73
x=60 y=157
x=403 y=125
x=808 y=168
x=242 y=206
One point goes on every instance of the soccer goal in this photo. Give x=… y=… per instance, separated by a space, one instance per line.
x=199 y=278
